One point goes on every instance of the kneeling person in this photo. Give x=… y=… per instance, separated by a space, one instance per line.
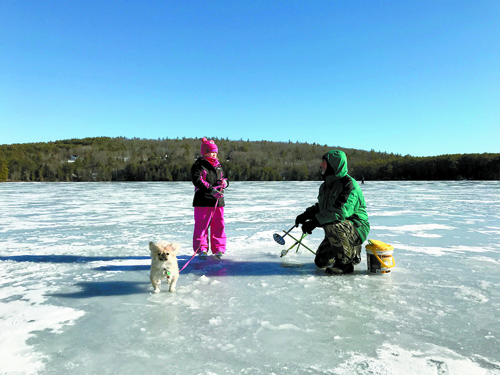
x=341 y=212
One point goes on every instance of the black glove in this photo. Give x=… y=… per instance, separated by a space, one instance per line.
x=309 y=226
x=301 y=219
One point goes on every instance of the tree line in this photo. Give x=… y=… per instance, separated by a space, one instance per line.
x=124 y=159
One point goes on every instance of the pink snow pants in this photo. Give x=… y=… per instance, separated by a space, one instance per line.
x=217 y=234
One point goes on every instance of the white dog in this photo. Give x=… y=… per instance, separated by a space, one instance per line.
x=164 y=264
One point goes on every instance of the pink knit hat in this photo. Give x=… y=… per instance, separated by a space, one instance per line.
x=208 y=146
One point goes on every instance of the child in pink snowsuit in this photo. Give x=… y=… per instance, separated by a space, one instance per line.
x=208 y=202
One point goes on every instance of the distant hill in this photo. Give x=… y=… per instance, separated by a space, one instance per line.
x=123 y=159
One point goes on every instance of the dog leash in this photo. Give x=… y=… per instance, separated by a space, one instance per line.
x=209 y=222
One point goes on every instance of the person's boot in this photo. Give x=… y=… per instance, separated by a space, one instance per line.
x=334 y=271
x=340 y=269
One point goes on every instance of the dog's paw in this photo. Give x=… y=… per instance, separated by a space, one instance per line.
x=157 y=290
x=172 y=290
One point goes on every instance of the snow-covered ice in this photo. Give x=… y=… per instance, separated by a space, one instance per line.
x=76 y=298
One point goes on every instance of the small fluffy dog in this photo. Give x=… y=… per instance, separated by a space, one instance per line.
x=164 y=264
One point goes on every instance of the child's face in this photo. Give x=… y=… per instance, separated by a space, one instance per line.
x=212 y=155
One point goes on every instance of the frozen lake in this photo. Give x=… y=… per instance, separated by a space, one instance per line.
x=76 y=298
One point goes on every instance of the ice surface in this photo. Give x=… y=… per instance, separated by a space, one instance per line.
x=76 y=298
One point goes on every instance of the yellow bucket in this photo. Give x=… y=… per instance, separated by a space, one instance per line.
x=379 y=257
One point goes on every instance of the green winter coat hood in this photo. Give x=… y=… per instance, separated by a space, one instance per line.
x=337 y=161
x=340 y=197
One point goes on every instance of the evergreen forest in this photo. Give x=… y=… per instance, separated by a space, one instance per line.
x=124 y=159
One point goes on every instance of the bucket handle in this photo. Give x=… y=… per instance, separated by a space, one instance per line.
x=382 y=262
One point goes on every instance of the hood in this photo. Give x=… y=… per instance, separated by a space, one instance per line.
x=337 y=161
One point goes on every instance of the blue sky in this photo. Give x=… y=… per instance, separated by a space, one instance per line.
x=407 y=77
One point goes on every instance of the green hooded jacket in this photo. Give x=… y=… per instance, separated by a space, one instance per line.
x=340 y=197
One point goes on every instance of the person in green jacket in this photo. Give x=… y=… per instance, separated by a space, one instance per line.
x=341 y=212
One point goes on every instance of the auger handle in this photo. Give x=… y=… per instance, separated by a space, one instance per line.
x=289 y=230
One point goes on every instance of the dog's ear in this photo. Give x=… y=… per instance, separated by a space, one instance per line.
x=153 y=248
x=175 y=247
